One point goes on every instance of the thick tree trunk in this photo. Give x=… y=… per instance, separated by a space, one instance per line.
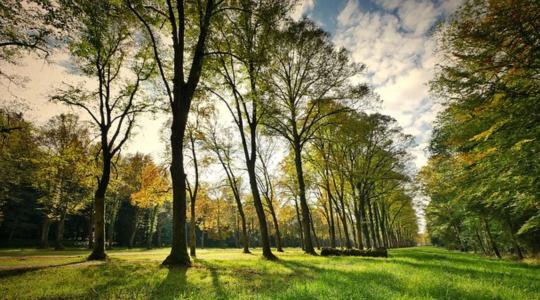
x=98 y=253
x=308 y=244
x=45 y=233
x=179 y=255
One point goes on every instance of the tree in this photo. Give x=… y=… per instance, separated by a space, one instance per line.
x=108 y=50
x=30 y=26
x=64 y=172
x=180 y=89
x=488 y=84
x=307 y=72
x=241 y=47
x=224 y=150
x=154 y=191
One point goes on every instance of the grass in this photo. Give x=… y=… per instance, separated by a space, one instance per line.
x=411 y=273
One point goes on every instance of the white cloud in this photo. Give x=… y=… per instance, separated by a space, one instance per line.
x=393 y=42
x=302 y=8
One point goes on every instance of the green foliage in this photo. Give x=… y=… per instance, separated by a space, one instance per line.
x=485 y=163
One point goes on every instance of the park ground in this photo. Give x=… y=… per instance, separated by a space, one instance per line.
x=409 y=273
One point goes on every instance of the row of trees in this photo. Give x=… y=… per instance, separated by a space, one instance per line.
x=276 y=78
x=52 y=169
x=482 y=177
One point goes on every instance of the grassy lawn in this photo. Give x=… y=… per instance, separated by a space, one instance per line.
x=412 y=273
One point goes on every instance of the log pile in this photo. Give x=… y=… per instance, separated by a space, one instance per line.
x=381 y=252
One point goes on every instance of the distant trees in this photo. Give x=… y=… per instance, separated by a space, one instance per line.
x=64 y=177
x=483 y=171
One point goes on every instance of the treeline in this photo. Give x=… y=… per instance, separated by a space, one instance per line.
x=269 y=143
x=483 y=174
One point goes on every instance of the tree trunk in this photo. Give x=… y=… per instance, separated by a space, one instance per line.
x=491 y=240
x=192 y=233
x=45 y=233
x=308 y=244
x=98 y=253
x=60 y=231
x=133 y=229
x=179 y=255
x=276 y=225
x=91 y=228
x=299 y=220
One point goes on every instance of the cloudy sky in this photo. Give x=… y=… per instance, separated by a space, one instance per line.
x=390 y=36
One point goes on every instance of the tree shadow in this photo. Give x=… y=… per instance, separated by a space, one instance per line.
x=174 y=285
x=22 y=270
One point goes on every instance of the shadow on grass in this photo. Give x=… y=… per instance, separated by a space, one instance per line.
x=21 y=270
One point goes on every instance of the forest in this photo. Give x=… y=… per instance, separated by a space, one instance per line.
x=277 y=162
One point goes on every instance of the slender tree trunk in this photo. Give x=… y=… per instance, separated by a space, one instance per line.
x=371 y=223
x=480 y=243
x=91 y=228
x=45 y=233
x=151 y=227
x=491 y=240
x=299 y=220
x=192 y=235
x=514 y=239
x=134 y=225
x=60 y=231
x=365 y=230
x=265 y=241
x=332 y=222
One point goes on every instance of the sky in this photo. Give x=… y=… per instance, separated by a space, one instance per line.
x=391 y=37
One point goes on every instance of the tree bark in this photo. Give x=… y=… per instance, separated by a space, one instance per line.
x=60 y=231
x=491 y=240
x=98 y=253
x=179 y=255
x=45 y=233
x=308 y=244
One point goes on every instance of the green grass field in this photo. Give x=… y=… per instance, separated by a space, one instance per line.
x=412 y=273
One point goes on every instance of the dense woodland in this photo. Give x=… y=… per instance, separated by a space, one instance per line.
x=273 y=139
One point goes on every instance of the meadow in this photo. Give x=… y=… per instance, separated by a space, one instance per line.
x=408 y=273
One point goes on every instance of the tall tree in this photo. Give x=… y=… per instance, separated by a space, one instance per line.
x=107 y=50
x=307 y=72
x=241 y=47
x=185 y=37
